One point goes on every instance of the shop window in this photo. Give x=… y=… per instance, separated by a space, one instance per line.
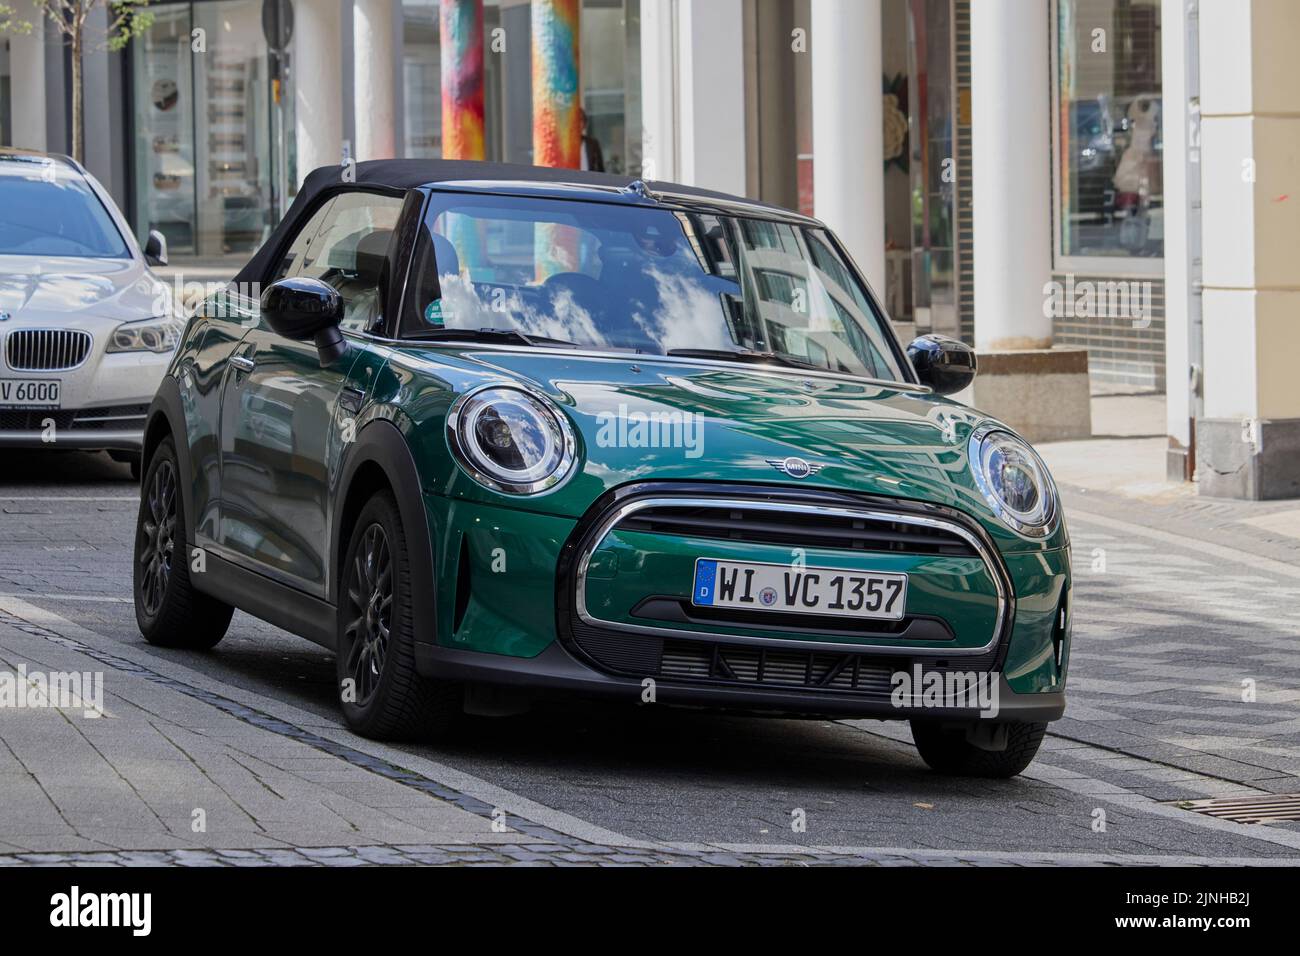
x=611 y=81
x=1108 y=129
x=210 y=128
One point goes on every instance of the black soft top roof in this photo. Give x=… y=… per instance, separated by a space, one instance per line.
x=404 y=174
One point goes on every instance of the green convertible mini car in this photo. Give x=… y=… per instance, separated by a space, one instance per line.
x=493 y=433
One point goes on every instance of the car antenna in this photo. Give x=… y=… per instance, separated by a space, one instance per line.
x=638 y=188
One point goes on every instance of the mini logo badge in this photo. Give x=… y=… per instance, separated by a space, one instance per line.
x=795 y=467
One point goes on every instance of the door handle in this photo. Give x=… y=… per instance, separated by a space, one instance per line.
x=352 y=399
x=242 y=363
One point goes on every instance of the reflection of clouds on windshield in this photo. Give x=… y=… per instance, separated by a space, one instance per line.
x=687 y=318
x=464 y=308
x=822 y=316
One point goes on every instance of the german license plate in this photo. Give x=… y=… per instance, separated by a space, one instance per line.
x=29 y=393
x=839 y=592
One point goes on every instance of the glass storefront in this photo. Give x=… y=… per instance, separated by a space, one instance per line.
x=209 y=128
x=929 y=108
x=421 y=86
x=1108 y=124
x=611 y=80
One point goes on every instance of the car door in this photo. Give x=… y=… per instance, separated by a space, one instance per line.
x=285 y=420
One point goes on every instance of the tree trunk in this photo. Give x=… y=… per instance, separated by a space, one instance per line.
x=78 y=97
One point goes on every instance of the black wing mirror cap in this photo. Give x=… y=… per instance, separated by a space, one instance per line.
x=945 y=364
x=155 y=248
x=301 y=309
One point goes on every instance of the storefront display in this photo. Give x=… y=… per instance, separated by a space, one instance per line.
x=1109 y=144
x=205 y=120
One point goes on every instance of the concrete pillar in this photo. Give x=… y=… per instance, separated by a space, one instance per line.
x=461 y=41
x=318 y=84
x=557 y=91
x=1011 y=155
x=848 y=129
x=1180 y=129
x=1040 y=391
x=1248 y=438
x=711 y=94
x=375 y=55
x=27 y=85
x=693 y=93
x=658 y=91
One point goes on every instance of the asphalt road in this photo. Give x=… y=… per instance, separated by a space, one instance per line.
x=1154 y=716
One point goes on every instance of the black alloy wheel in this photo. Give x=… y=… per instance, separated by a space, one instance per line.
x=369 y=613
x=169 y=609
x=158 y=537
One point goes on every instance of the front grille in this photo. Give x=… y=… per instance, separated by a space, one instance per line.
x=46 y=350
x=108 y=418
x=797 y=529
x=778 y=668
x=865 y=676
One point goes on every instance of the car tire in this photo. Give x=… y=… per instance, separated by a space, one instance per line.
x=168 y=608
x=947 y=749
x=382 y=694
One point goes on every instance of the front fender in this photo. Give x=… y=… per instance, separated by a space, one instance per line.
x=379 y=443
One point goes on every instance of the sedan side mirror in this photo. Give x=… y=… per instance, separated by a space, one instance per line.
x=301 y=309
x=947 y=365
x=155 y=248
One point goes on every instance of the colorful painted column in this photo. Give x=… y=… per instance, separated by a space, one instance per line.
x=557 y=130
x=461 y=33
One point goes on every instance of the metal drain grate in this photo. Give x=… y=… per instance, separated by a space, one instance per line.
x=1269 y=808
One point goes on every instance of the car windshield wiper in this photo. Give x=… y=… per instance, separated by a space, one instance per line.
x=493 y=335
x=747 y=355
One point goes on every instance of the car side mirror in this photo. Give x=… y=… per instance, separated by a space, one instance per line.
x=300 y=308
x=945 y=364
x=155 y=248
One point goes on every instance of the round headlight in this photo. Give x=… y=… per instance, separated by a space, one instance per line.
x=510 y=440
x=1014 y=480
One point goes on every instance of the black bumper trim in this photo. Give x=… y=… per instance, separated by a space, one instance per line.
x=556 y=673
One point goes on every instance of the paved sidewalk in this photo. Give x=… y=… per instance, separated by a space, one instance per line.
x=163 y=769
x=1185 y=607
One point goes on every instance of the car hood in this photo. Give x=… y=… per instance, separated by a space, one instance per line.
x=640 y=418
x=72 y=291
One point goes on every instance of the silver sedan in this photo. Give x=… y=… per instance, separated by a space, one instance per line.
x=86 y=328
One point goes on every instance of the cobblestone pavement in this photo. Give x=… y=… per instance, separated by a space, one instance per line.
x=1168 y=625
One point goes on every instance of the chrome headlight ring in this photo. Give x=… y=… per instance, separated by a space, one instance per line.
x=511 y=439
x=1014 y=481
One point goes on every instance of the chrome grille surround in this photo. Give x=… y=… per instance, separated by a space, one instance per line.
x=867 y=512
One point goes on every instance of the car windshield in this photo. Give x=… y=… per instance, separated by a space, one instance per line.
x=651 y=279
x=48 y=209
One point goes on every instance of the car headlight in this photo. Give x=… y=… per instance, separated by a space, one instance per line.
x=1014 y=480
x=153 y=335
x=510 y=439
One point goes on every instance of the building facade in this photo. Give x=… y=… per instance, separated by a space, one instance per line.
x=1033 y=176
